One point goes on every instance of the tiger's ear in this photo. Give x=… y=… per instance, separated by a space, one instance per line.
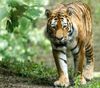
x=47 y=13
x=69 y=11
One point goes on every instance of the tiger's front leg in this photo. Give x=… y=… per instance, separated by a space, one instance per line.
x=61 y=64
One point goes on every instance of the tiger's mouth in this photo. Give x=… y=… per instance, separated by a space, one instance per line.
x=62 y=41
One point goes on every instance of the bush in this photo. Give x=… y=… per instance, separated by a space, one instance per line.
x=21 y=42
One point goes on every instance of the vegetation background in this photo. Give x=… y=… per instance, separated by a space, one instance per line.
x=24 y=50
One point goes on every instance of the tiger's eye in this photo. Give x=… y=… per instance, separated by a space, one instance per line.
x=62 y=18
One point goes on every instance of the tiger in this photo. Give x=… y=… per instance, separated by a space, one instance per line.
x=69 y=28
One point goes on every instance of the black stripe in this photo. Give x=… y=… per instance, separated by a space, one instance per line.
x=75 y=59
x=70 y=34
x=87 y=47
x=88 y=50
x=87 y=44
x=60 y=51
x=88 y=61
x=75 y=46
x=76 y=53
x=60 y=45
x=64 y=60
x=89 y=55
x=78 y=50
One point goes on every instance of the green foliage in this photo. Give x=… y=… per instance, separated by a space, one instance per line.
x=95 y=83
x=18 y=11
x=3 y=13
x=21 y=42
x=20 y=39
x=77 y=81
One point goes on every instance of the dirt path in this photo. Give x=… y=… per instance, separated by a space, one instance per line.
x=17 y=82
x=9 y=80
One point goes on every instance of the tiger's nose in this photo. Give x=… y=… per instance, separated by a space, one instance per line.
x=59 y=34
x=59 y=38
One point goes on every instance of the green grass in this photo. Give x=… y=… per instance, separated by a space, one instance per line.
x=41 y=74
x=94 y=83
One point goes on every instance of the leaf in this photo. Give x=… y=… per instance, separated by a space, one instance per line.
x=33 y=12
x=13 y=3
x=3 y=13
x=12 y=21
x=9 y=26
x=24 y=23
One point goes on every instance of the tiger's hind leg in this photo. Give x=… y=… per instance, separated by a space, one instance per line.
x=78 y=64
x=88 y=71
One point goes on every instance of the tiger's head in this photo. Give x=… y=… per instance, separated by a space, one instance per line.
x=59 y=26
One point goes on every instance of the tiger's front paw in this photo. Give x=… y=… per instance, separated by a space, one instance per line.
x=62 y=82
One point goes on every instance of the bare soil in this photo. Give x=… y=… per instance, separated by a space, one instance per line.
x=10 y=80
